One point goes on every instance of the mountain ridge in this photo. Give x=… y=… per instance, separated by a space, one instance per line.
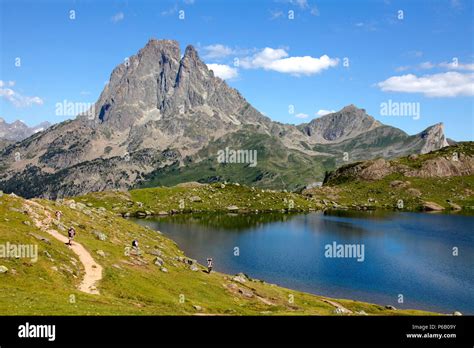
x=161 y=109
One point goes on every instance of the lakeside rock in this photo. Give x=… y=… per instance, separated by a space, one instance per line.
x=432 y=206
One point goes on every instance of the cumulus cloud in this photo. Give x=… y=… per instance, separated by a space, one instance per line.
x=223 y=71
x=323 y=112
x=448 y=84
x=117 y=17
x=217 y=51
x=16 y=98
x=278 y=60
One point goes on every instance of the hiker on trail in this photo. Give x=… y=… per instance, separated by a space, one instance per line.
x=135 y=244
x=209 y=265
x=71 y=233
x=58 y=215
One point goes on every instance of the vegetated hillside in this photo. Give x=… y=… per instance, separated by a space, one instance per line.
x=276 y=166
x=196 y=197
x=436 y=181
x=157 y=280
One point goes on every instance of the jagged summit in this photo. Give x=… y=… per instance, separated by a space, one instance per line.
x=347 y=123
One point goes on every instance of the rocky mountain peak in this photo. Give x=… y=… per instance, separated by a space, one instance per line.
x=346 y=123
x=156 y=47
x=434 y=138
x=18 y=130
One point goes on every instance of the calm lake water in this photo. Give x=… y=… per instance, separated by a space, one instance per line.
x=404 y=253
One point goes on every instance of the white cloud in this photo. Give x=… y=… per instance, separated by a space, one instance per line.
x=444 y=65
x=426 y=65
x=323 y=112
x=457 y=66
x=301 y=115
x=7 y=83
x=170 y=11
x=275 y=14
x=117 y=17
x=278 y=60
x=448 y=84
x=217 y=51
x=16 y=98
x=223 y=71
x=303 y=5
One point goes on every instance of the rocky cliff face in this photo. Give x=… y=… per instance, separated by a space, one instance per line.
x=451 y=161
x=163 y=110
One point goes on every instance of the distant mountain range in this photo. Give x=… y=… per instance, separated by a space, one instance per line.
x=17 y=131
x=163 y=118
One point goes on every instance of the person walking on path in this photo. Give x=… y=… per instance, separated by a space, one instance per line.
x=71 y=233
x=58 y=214
x=210 y=264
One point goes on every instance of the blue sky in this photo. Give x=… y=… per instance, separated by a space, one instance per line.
x=292 y=66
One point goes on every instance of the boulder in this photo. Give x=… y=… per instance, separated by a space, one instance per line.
x=414 y=192
x=241 y=278
x=100 y=235
x=80 y=206
x=198 y=308
x=390 y=307
x=246 y=293
x=164 y=270
x=232 y=208
x=155 y=252
x=454 y=206
x=456 y=313
x=101 y=253
x=195 y=199
x=158 y=261
x=432 y=206
x=194 y=268
x=399 y=183
x=3 y=269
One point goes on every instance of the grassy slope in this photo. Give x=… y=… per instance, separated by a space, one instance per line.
x=277 y=166
x=350 y=191
x=214 y=198
x=383 y=196
x=132 y=285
